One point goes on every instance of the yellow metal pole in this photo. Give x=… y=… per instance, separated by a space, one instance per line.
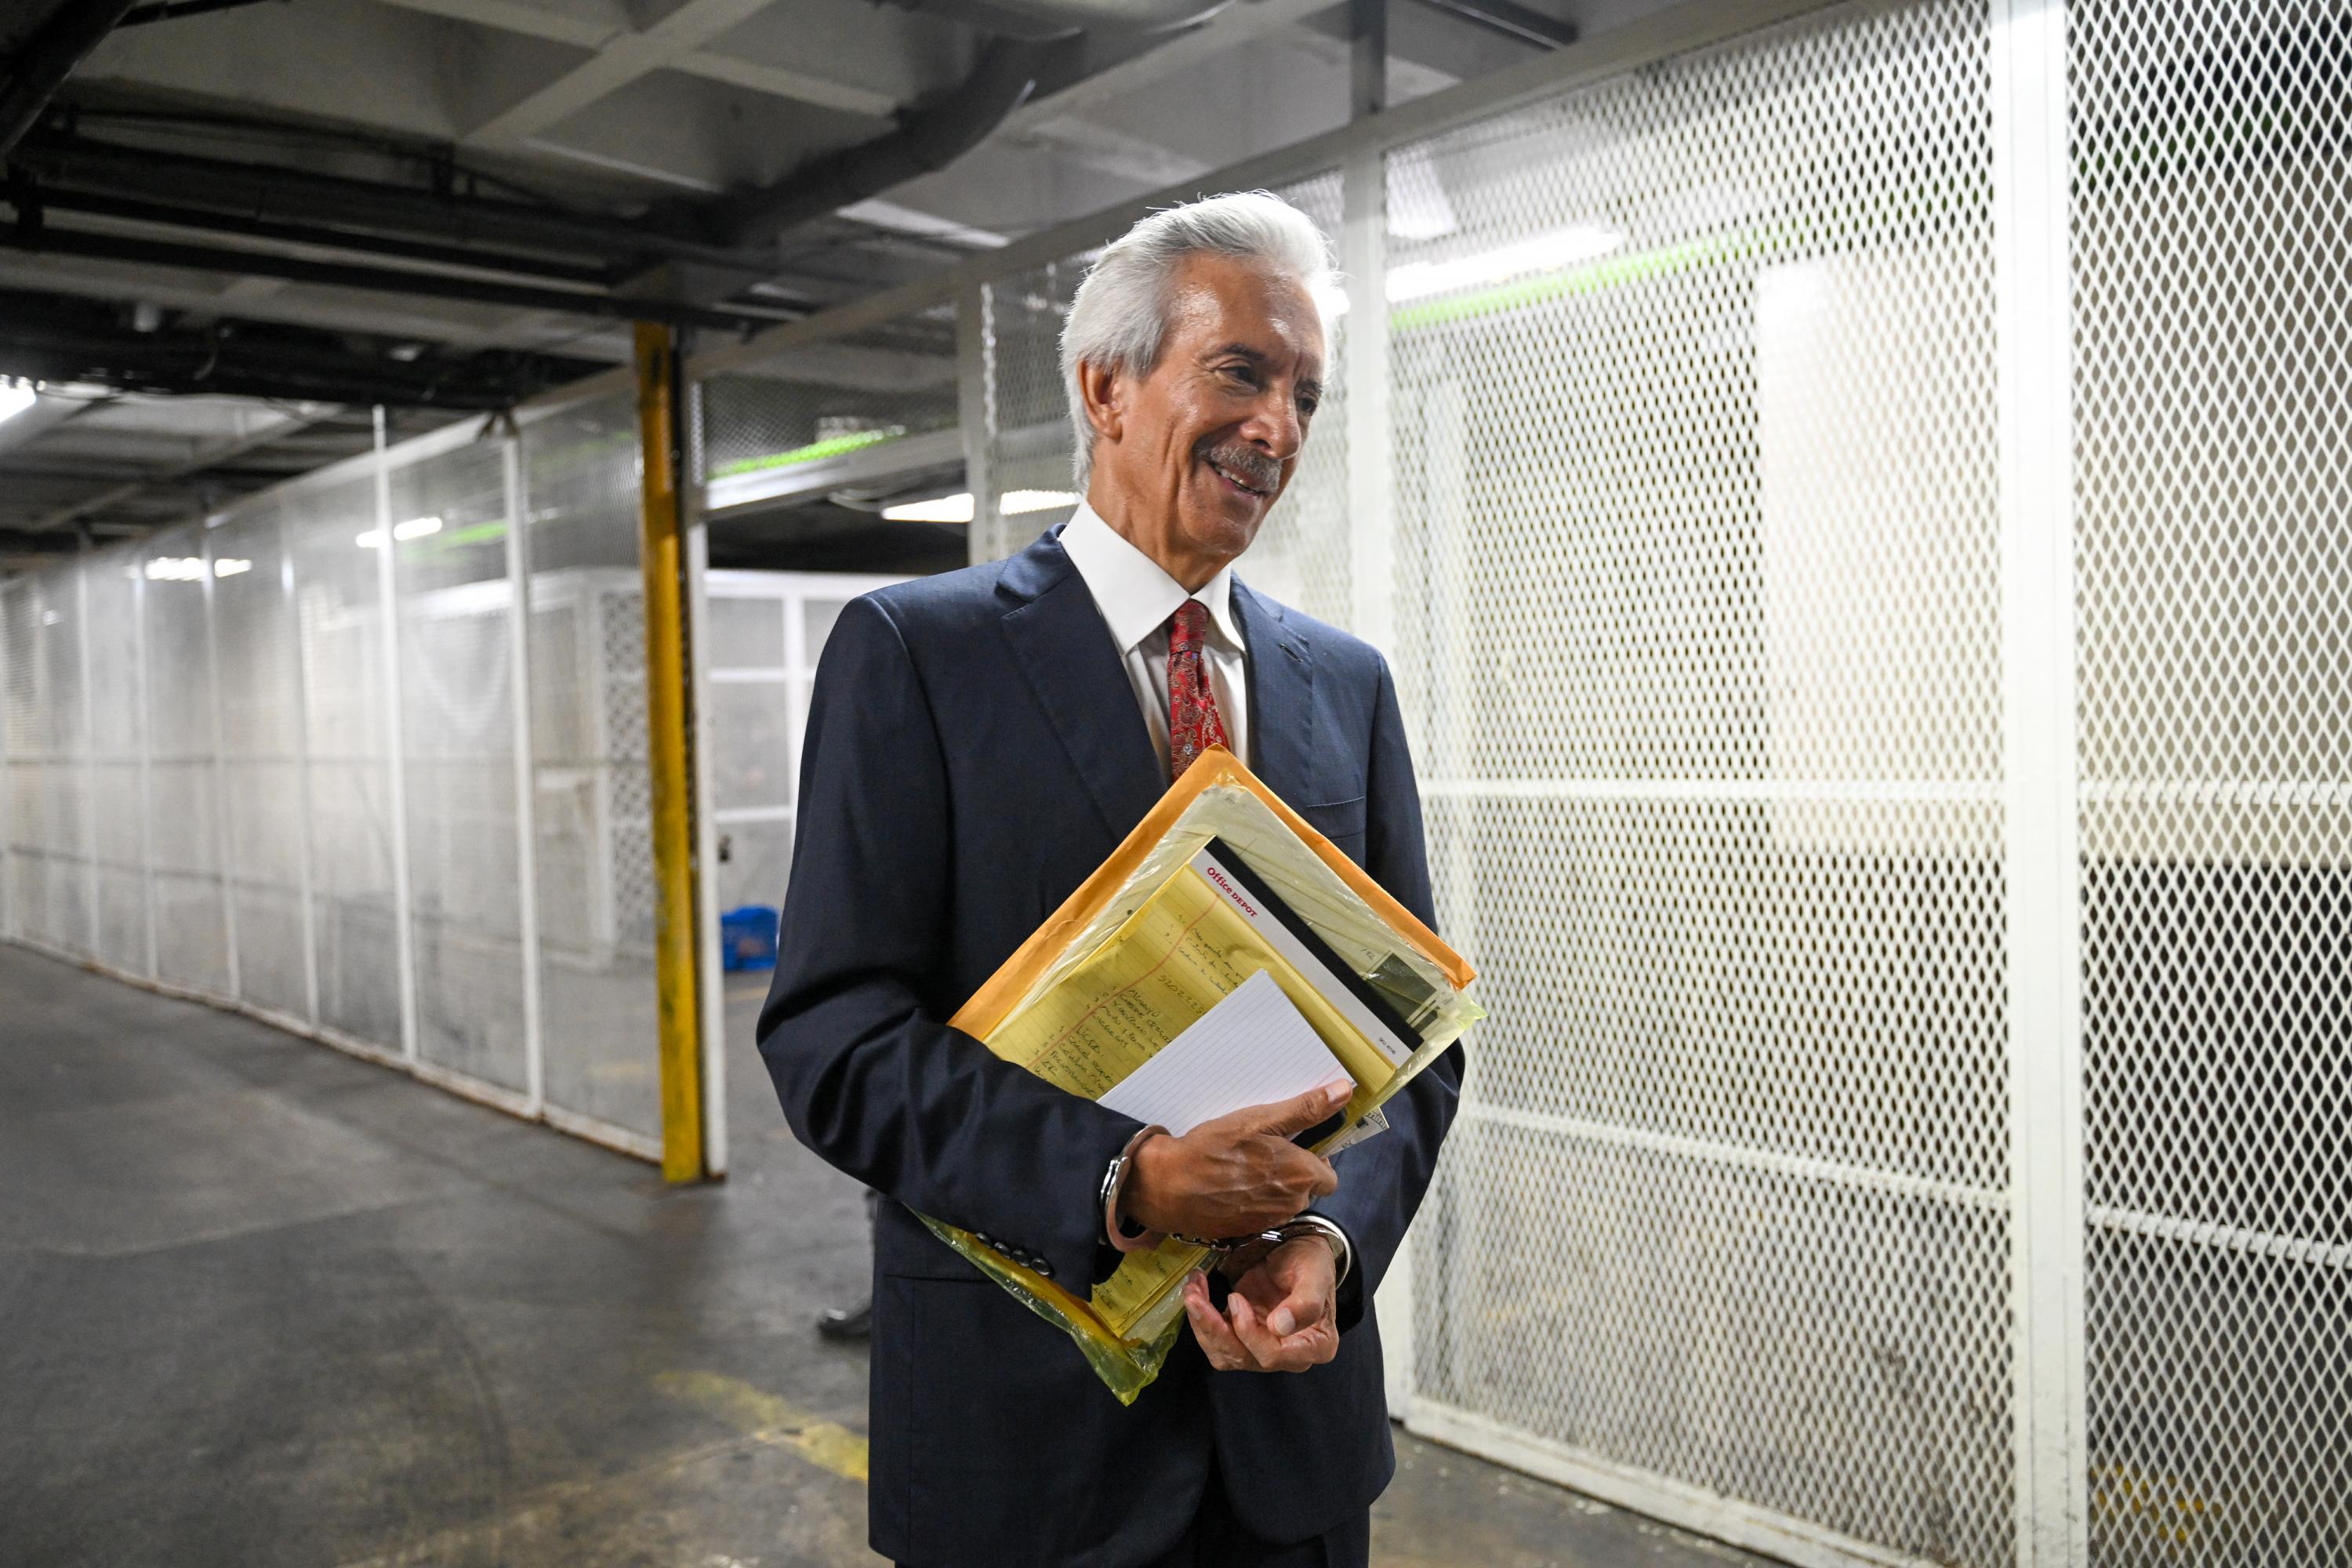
x=661 y=551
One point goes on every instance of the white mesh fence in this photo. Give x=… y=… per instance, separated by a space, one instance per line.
x=1704 y=548
x=205 y=770
x=2213 y=459
x=1695 y=467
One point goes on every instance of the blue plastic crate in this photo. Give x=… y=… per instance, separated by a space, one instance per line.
x=746 y=938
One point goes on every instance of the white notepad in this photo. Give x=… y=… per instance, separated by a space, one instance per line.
x=1252 y=1048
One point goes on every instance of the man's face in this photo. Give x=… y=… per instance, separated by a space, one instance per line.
x=1207 y=440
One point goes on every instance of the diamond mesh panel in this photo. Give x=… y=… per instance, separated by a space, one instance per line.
x=1027 y=419
x=184 y=826
x=449 y=518
x=598 y=999
x=347 y=734
x=1692 y=414
x=822 y=399
x=2213 y=317
x=261 y=757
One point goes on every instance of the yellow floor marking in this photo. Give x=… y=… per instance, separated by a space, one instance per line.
x=770 y=1419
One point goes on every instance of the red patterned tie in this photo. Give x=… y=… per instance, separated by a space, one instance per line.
x=1193 y=723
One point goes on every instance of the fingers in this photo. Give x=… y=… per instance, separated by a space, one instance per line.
x=1210 y=1328
x=1285 y=1117
x=1271 y=1352
x=1244 y=1343
x=1302 y=1308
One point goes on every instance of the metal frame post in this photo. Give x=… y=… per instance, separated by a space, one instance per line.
x=2034 y=417
x=661 y=557
x=706 y=852
x=221 y=837
x=8 y=926
x=303 y=861
x=90 y=751
x=146 y=758
x=395 y=746
x=526 y=790
x=976 y=416
x=1362 y=256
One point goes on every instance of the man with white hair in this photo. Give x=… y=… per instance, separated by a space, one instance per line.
x=977 y=743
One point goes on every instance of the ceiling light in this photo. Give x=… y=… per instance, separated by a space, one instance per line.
x=230 y=567
x=175 y=569
x=371 y=540
x=956 y=507
x=416 y=528
x=1552 y=252
x=1015 y=502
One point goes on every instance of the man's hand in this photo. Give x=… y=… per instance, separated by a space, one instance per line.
x=1280 y=1315
x=1238 y=1173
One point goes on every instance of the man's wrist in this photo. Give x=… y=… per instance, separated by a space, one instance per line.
x=1343 y=1251
x=1116 y=1177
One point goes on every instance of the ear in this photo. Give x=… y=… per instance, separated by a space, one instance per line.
x=1100 y=391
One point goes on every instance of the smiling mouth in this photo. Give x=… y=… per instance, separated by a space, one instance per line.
x=1237 y=481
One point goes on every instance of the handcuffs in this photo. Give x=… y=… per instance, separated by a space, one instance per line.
x=1227 y=1247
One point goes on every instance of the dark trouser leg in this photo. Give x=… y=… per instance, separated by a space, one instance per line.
x=1218 y=1539
x=855 y=1322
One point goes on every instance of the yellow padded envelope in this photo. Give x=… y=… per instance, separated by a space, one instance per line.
x=1140 y=953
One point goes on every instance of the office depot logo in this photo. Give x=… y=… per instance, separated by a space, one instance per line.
x=1226 y=886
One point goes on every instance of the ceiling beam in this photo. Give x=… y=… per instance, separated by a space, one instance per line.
x=591 y=33
x=614 y=66
x=279 y=192
x=166 y=215
x=1230 y=29
x=41 y=67
x=46 y=239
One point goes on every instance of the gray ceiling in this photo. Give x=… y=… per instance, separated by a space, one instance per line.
x=440 y=202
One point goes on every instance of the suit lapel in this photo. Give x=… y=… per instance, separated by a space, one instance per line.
x=1282 y=698
x=1072 y=665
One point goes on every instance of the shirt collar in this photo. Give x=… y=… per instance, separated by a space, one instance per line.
x=1135 y=595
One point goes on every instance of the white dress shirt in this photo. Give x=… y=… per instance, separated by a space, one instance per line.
x=1136 y=599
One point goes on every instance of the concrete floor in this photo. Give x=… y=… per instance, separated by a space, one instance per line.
x=263 y=1304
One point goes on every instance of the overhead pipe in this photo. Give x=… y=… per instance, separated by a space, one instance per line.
x=173 y=216
x=1507 y=18
x=275 y=193
x=382 y=280
x=64 y=41
x=1020 y=19
x=1010 y=71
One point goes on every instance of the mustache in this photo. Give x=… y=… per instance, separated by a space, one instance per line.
x=1245 y=463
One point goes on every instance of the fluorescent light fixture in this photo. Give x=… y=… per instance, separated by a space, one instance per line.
x=176 y=569
x=1015 y=502
x=15 y=396
x=230 y=566
x=415 y=527
x=956 y=507
x=1555 y=252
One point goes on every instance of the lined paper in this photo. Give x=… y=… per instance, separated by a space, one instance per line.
x=1252 y=1048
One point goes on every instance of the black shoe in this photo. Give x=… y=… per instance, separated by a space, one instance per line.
x=848 y=1323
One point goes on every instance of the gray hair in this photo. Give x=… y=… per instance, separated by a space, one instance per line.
x=1120 y=318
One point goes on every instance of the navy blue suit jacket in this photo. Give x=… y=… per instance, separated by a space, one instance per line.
x=973 y=753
